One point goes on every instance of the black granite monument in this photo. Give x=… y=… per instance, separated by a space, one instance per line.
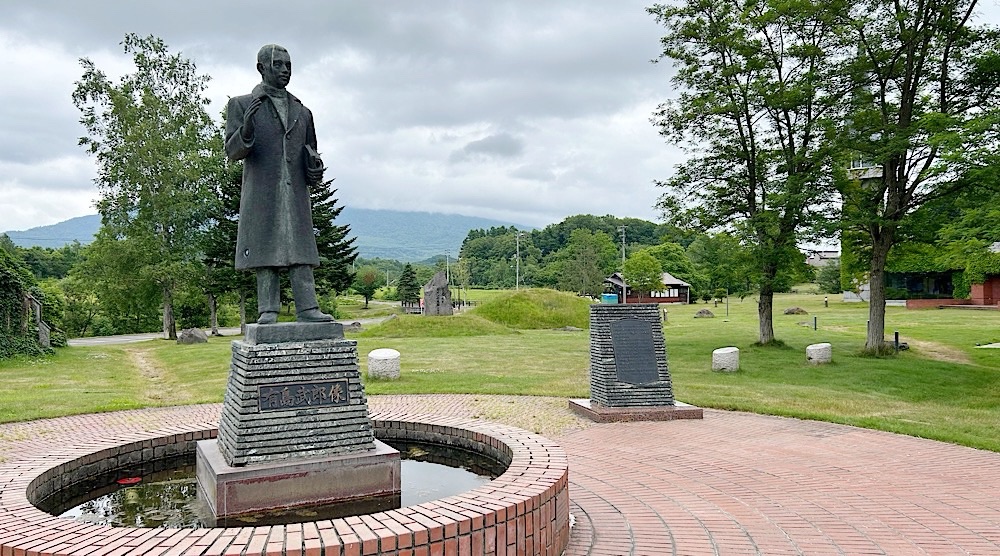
x=629 y=378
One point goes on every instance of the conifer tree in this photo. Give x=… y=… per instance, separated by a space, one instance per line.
x=408 y=289
x=336 y=248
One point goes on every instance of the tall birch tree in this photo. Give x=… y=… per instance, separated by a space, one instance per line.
x=153 y=141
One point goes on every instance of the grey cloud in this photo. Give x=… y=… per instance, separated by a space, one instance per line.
x=500 y=145
x=427 y=61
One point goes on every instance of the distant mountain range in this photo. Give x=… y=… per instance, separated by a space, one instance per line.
x=388 y=234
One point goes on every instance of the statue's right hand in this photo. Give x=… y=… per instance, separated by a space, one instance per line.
x=248 y=121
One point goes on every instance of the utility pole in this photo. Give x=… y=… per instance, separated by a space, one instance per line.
x=624 y=285
x=622 y=230
x=387 y=279
x=447 y=268
x=517 y=271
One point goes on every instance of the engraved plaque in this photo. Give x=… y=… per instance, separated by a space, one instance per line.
x=302 y=395
x=635 y=355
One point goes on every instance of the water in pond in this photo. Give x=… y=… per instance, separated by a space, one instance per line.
x=167 y=496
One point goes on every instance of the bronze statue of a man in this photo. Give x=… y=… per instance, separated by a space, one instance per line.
x=273 y=133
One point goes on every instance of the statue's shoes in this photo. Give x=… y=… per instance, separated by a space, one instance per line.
x=313 y=315
x=267 y=317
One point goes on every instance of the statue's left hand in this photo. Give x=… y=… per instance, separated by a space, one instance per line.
x=314 y=174
x=314 y=165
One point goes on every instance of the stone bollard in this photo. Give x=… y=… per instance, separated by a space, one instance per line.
x=383 y=363
x=818 y=354
x=726 y=359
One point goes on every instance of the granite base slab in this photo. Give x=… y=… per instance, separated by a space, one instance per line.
x=283 y=332
x=603 y=414
x=232 y=491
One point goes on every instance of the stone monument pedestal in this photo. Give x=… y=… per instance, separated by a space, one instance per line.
x=629 y=378
x=233 y=491
x=602 y=414
x=295 y=429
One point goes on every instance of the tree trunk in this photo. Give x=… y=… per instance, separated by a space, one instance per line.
x=881 y=244
x=213 y=314
x=169 y=324
x=765 y=305
x=765 y=312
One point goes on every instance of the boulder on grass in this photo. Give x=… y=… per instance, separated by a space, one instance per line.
x=192 y=336
x=704 y=314
x=796 y=311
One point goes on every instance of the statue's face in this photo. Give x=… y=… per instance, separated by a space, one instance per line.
x=278 y=72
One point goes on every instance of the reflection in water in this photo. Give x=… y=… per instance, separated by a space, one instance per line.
x=168 y=493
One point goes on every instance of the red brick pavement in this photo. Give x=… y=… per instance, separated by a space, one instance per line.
x=737 y=483
x=733 y=483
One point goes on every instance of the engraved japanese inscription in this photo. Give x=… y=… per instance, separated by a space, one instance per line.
x=635 y=355
x=302 y=395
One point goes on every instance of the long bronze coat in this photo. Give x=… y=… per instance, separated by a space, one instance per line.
x=275 y=227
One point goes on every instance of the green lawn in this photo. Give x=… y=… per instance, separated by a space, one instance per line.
x=943 y=387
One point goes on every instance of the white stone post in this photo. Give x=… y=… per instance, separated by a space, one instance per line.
x=817 y=354
x=383 y=363
x=726 y=359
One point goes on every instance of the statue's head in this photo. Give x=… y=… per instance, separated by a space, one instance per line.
x=274 y=65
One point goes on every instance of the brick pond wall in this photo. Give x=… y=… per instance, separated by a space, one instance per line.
x=524 y=511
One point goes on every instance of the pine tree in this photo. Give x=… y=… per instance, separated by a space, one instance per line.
x=408 y=288
x=336 y=249
x=220 y=242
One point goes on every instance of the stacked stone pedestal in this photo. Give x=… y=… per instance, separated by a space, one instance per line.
x=629 y=378
x=295 y=429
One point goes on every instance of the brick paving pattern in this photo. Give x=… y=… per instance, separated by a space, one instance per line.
x=733 y=483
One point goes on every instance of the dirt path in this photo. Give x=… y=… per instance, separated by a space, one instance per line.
x=157 y=383
x=940 y=352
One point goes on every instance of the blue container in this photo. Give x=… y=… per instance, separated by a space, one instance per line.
x=609 y=298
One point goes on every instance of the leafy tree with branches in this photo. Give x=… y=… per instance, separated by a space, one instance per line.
x=643 y=273
x=117 y=272
x=155 y=148
x=757 y=109
x=674 y=259
x=586 y=260
x=923 y=112
x=81 y=306
x=828 y=278
x=722 y=261
x=366 y=282
x=491 y=256
x=48 y=262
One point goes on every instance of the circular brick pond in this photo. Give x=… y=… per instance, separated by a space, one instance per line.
x=527 y=507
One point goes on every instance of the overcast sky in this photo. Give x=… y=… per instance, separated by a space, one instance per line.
x=526 y=112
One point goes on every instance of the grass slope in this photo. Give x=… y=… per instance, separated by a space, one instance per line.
x=533 y=309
